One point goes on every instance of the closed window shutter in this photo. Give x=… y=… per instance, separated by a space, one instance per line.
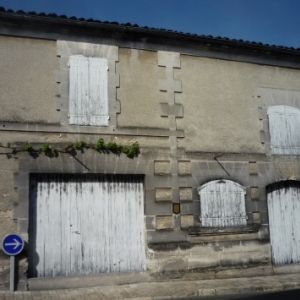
x=222 y=204
x=284 y=126
x=98 y=105
x=88 y=91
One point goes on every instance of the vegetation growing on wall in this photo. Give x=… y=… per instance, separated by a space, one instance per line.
x=71 y=148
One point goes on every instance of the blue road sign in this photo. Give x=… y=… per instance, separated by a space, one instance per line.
x=12 y=244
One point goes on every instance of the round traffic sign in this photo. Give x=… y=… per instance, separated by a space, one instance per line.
x=12 y=244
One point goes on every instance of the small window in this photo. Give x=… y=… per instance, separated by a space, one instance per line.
x=222 y=204
x=284 y=127
x=88 y=91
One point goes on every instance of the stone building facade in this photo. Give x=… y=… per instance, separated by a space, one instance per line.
x=205 y=113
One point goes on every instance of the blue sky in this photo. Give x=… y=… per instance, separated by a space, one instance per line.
x=268 y=21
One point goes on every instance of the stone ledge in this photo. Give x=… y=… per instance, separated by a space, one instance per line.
x=286 y=269
x=225 y=237
x=208 y=231
x=73 y=282
x=58 y=128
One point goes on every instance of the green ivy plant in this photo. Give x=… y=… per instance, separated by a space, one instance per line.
x=51 y=151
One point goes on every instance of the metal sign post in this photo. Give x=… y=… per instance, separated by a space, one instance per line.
x=12 y=245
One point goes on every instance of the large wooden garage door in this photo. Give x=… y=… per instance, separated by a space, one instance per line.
x=85 y=224
x=284 y=221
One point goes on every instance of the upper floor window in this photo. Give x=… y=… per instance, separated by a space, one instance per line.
x=284 y=127
x=222 y=204
x=88 y=104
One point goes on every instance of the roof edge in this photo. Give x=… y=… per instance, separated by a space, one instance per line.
x=79 y=25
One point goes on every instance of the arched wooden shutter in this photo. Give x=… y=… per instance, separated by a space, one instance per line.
x=88 y=91
x=284 y=126
x=222 y=204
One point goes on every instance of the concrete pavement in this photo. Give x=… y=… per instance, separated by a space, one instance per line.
x=167 y=290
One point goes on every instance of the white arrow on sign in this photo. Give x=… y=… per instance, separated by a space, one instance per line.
x=16 y=244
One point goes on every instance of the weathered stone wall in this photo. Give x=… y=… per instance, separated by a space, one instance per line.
x=139 y=93
x=8 y=199
x=196 y=120
x=208 y=260
x=163 y=189
x=220 y=103
x=27 y=80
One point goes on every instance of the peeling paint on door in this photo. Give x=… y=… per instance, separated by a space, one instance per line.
x=86 y=224
x=284 y=212
x=222 y=204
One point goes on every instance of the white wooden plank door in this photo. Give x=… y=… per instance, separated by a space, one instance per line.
x=284 y=222
x=86 y=224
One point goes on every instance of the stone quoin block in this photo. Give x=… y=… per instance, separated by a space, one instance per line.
x=185 y=194
x=164 y=222
x=163 y=194
x=186 y=221
x=162 y=167
x=171 y=59
x=254 y=193
x=253 y=168
x=256 y=218
x=171 y=110
x=170 y=84
x=184 y=168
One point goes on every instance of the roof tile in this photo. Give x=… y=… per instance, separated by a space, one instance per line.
x=54 y=15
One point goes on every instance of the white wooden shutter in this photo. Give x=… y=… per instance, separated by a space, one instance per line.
x=284 y=126
x=88 y=91
x=222 y=204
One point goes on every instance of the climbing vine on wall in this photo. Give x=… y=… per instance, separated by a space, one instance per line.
x=72 y=148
